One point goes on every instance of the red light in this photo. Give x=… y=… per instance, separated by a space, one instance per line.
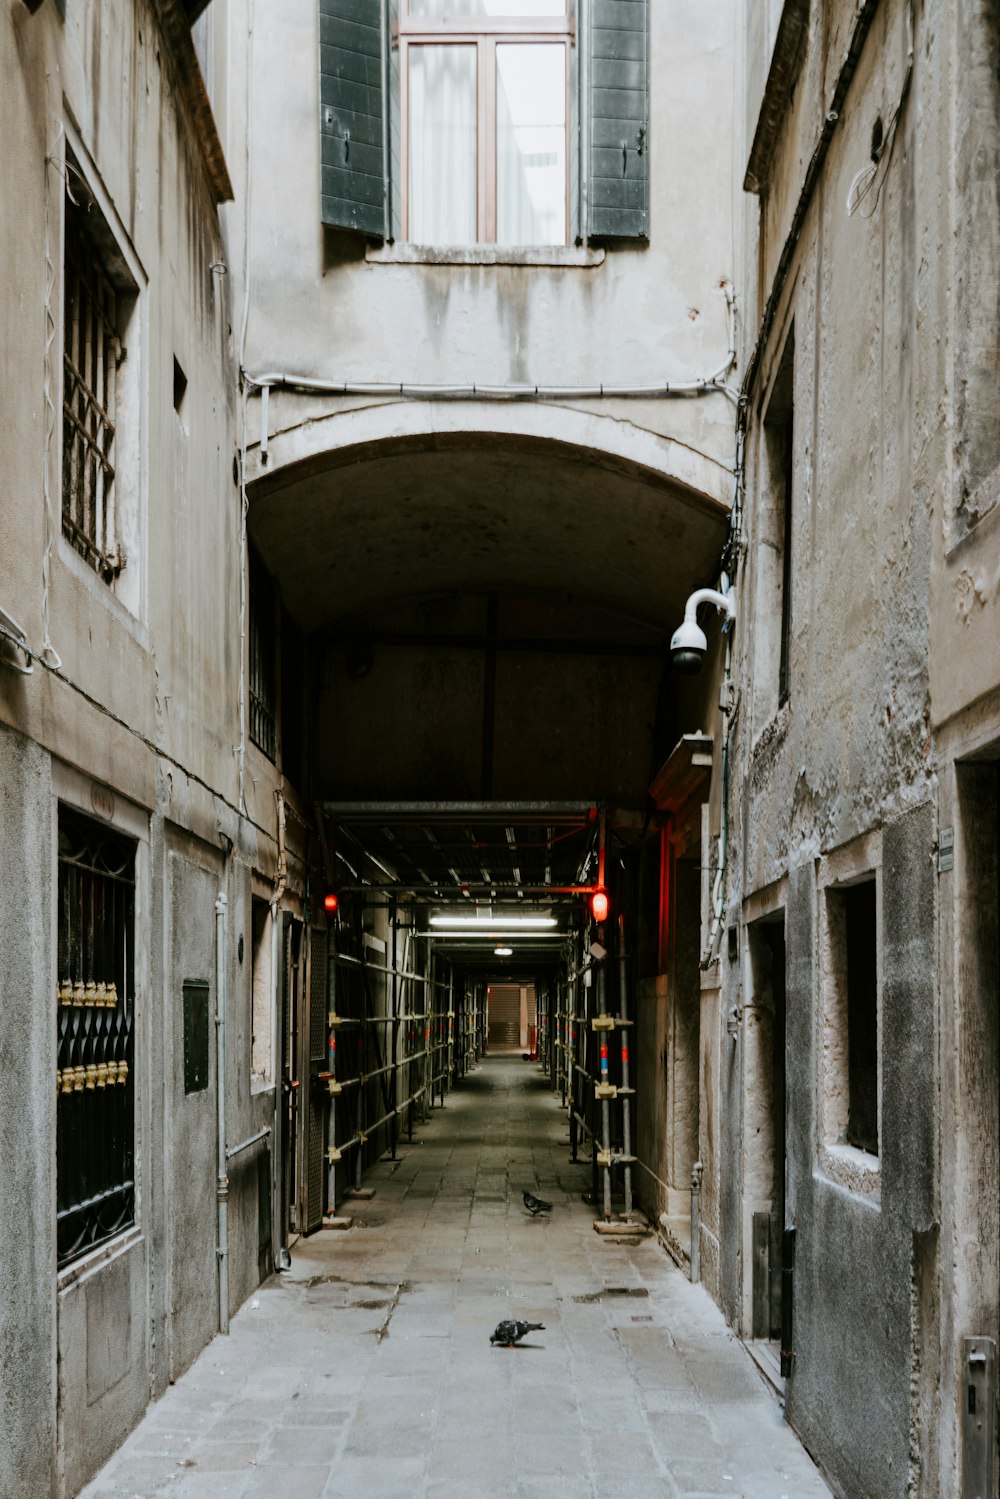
x=330 y=903
x=599 y=905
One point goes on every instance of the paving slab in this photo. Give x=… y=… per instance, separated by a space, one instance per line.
x=366 y=1369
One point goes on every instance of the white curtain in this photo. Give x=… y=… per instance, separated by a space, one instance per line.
x=531 y=144
x=442 y=109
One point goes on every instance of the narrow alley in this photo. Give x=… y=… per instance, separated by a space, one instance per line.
x=367 y=1368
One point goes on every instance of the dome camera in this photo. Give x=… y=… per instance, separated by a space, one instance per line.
x=687 y=648
x=688 y=643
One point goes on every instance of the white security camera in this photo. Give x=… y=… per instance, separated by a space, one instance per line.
x=688 y=643
x=687 y=648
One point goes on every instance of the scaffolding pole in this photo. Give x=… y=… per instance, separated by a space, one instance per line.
x=412 y=1062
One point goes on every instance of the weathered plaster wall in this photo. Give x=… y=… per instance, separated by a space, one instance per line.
x=652 y=313
x=27 y=1348
x=887 y=607
x=145 y=705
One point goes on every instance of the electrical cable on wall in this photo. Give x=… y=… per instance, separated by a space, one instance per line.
x=866 y=188
x=698 y=385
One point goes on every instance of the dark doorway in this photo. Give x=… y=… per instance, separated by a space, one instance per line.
x=290 y=1002
x=766 y=1164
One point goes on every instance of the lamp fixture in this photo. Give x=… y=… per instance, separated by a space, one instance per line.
x=495 y=924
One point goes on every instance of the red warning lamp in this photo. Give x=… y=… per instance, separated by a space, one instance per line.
x=599 y=904
x=331 y=903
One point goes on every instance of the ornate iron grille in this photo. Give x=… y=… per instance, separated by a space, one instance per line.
x=263 y=659
x=92 y=352
x=95 y=1187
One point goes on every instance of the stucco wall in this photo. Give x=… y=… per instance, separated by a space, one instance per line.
x=643 y=314
x=892 y=632
x=27 y=1349
x=140 y=698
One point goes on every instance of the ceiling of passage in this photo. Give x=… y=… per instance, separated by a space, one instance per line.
x=463 y=852
x=388 y=522
x=482 y=875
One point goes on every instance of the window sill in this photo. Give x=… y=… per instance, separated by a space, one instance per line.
x=96 y=1259
x=854 y=1170
x=555 y=255
x=104 y=592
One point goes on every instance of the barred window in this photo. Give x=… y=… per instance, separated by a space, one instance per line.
x=263 y=658
x=95 y=1177
x=96 y=308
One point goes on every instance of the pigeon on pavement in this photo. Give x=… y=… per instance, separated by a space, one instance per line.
x=511 y=1331
x=535 y=1205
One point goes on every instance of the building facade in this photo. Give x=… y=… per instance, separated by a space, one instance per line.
x=383 y=377
x=123 y=763
x=858 y=1078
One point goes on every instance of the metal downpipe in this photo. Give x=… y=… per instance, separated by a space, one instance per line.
x=222 y=1180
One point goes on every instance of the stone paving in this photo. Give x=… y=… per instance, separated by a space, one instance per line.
x=366 y=1370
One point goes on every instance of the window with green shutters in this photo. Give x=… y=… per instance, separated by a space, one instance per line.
x=509 y=122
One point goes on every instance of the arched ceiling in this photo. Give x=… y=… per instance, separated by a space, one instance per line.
x=353 y=528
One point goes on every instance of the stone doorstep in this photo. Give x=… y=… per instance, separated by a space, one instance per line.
x=632 y=1230
x=332 y=1222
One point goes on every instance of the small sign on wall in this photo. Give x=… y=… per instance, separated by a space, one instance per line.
x=102 y=799
x=195 y=1035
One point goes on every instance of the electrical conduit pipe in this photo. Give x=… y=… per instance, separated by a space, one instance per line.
x=222 y=1181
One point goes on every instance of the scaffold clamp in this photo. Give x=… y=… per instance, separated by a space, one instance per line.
x=605 y=1090
x=333 y=1019
x=332 y=1155
x=603 y=1022
x=604 y=1158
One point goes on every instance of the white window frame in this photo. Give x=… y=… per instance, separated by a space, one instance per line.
x=484 y=33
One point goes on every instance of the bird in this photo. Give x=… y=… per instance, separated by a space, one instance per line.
x=535 y=1205
x=511 y=1331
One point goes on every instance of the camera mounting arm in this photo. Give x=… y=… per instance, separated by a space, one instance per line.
x=688 y=643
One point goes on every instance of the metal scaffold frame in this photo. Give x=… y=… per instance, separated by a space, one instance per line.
x=575 y=1052
x=417 y=1032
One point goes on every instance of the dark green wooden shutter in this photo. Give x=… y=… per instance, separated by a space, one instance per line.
x=619 y=114
x=350 y=93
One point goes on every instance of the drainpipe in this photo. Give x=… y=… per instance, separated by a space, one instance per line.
x=277 y=954
x=696 y=1175
x=394 y=1121
x=222 y=1182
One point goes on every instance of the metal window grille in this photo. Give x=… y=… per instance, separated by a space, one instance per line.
x=263 y=676
x=95 y=1186
x=92 y=352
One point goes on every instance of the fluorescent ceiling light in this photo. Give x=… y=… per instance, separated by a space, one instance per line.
x=503 y=952
x=494 y=923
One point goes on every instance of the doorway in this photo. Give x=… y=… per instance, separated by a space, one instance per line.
x=765 y=1128
x=289 y=1067
x=511 y=1017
